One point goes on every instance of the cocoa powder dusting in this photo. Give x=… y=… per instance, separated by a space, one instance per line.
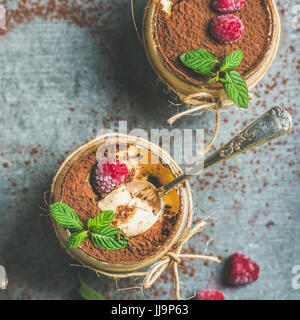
x=123 y=213
x=78 y=194
x=188 y=29
x=84 y=14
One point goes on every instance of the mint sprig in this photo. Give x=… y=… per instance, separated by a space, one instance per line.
x=98 y=228
x=232 y=61
x=236 y=88
x=88 y=293
x=106 y=238
x=103 y=219
x=66 y=216
x=203 y=62
x=76 y=238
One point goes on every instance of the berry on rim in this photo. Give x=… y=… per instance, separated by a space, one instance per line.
x=241 y=270
x=227 y=28
x=209 y=294
x=228 y=6
x=108 y=175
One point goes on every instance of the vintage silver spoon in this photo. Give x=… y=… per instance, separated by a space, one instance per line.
x=273 y=124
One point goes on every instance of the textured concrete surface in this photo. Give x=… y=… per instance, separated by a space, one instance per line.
x=63 y=78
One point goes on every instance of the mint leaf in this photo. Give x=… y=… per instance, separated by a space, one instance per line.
x=232 y=61
x=105 y=238
x=201 y=61
x=211 y=81
x=65 y=216
x=75 y=239
x=236 y=89
x=103 y=219
x=88 y=293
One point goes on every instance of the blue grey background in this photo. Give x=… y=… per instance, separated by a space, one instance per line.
x=61 y=81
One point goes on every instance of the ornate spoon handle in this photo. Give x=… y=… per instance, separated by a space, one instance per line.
x=273 y=124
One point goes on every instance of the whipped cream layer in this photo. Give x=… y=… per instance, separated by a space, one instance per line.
x=132 y=215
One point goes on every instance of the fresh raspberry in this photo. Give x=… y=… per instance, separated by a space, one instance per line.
x=228 y=6
x=109 y=175
x=227 y=28
x=209 y=294
x=241 y=269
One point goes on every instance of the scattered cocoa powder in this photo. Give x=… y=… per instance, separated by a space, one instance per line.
x=85 y=15
x=270 y=224
x=123 y=213
x=5 y=165
x=187 y=28
x=78 y=194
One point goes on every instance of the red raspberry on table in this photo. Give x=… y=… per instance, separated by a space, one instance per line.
x=209 y=294
x=109 y=175
x=241 y=269
x=228 y=6
x=227 y=28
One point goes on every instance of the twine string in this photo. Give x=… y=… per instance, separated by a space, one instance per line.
x=172 y=258
x=201 y=101
x=134 y=21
